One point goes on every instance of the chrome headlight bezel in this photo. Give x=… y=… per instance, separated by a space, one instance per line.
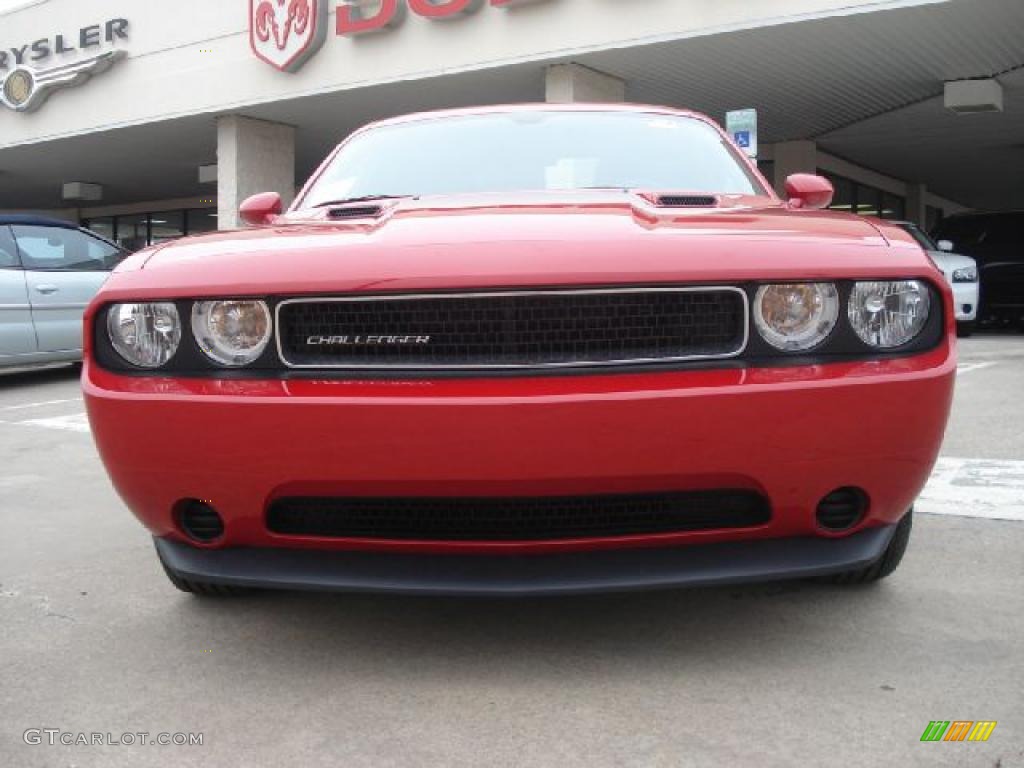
x=145 y=334
x=823 y=305
x=219 y=346
x=889 y=314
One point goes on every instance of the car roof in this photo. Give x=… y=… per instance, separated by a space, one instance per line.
x=34 y=220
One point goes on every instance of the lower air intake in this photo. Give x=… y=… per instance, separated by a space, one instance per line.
x=517 y=519
x=199 y=521
x=842 y=509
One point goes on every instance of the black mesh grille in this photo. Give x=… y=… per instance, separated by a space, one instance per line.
x=516 y=519
x=355 y=212
x=687 y=201
x=513 y=330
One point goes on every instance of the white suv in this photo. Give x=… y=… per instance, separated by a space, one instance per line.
x=961 y=272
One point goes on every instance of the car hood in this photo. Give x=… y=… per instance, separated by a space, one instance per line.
x=554 y=239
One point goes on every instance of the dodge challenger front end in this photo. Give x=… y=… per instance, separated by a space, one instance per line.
x=526 y=350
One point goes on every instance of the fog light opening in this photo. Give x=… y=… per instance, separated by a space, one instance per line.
x=842 y=509
x=199 y=521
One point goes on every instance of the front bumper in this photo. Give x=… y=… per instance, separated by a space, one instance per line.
x=793 y=434
x=552 y=574
x=965 y=300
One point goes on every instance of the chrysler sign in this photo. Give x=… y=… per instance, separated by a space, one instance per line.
x=28 y=75
x=286 y=33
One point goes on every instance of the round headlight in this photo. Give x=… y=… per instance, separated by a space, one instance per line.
x=145 y=334
x=889 y=314
x=797 y=316
x=232 y=332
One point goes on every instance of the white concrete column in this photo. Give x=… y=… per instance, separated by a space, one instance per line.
x=569 y=83
x=793 y=157
x=252 y=156
x=917 y=204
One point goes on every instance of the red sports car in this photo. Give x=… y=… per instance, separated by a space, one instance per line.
x=526 y=350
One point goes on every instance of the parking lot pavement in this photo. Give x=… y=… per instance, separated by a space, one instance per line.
x=93 y=639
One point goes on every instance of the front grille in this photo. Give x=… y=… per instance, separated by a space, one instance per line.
x=513 y=330
x=516 y=519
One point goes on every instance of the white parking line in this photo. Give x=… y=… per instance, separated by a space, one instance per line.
x=971 y=367
x=29 y=406
x=975 y=488
x=76 y=422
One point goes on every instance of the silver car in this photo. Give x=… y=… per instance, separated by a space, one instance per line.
x=49 y=271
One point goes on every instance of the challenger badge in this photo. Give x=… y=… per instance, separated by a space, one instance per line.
x=365 y=341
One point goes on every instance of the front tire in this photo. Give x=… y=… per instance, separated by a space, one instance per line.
x=965 y=329
x=884 y=565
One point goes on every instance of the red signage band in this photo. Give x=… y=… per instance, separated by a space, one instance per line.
x=354 y=20
x=287 y=33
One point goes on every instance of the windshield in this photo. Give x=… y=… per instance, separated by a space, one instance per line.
x=517 y=151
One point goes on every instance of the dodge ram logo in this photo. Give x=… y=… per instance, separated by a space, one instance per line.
x=365 y=341
x=285 y=33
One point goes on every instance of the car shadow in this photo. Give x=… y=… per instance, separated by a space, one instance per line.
x=16 y=378
x=536 y=637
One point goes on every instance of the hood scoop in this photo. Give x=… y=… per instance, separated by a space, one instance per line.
x=687 y=201
x=354 y=212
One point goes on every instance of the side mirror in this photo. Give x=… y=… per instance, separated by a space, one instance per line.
x=945 y=245
x=805 y=190
x=260 y=210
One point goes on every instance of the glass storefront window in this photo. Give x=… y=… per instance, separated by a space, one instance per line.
x=854 y=197
x=843 y=198
x=166 y=225
x=133 y=231
x=104 y=227
x=139 y=230
x=869 y=201
x=201 y=220
x=893 y=207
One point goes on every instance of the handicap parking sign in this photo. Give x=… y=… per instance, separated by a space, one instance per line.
x=742 y=126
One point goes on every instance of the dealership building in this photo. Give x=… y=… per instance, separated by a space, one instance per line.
x=149 y=120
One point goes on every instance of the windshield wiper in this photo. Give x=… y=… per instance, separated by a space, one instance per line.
x=363 y=199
